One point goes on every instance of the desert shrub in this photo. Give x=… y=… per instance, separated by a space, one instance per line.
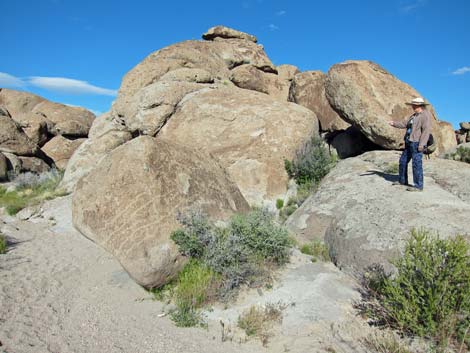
x=279 y=203
x=317 y=249
x=195 y=286
x=257 y=321
x=31 y=189
x=240 y=253
x=391 y=168
x=429 y=296
x=384 y=342
x=311 y=163
x=462 y=154
x=3 y=244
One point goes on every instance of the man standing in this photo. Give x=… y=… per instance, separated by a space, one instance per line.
x=418 y=128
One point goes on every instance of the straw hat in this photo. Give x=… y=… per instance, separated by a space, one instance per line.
x=417 y=101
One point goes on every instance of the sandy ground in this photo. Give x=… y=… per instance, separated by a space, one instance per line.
x=60 y=292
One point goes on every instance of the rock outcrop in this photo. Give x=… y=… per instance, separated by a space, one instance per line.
x=308 y=90
x=60 y=149
x=29 y=122
x=129 y=202
x=227 y=33
x=368 y=97
x=365 y=220
x=248 y=132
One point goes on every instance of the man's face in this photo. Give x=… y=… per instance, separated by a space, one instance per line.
x=417 y=108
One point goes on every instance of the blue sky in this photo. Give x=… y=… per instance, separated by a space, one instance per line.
x=77 y=51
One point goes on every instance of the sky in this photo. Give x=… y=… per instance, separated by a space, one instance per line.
x=77 y=51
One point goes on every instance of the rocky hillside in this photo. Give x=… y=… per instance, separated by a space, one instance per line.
x=220 y=97
x=36 y=134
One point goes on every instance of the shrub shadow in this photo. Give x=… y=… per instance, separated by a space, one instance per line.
x=386 y=176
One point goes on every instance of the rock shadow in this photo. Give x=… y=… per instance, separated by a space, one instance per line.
x=387 y=176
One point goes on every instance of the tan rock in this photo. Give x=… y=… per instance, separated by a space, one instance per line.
x=188 y=75
x=13 y=139
x=368 y=97
x=89 y=154
x=3 y=167
x=226 y=33
x=18 y=103
x=67 y=120
x=33 y=165
x=465 y=126
x=60 y=149
x=13 y=163
x=461 y=137
x=249 y=132
x=287 y=72
x=104 y=123
x=308 y=90
x=445 y=136
x=36 y=126
x=149 y=109
x=129 y=202
x=215 y=57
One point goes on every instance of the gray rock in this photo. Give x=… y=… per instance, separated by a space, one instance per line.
x=3 y=167
x=366 y=220
x=226 y=33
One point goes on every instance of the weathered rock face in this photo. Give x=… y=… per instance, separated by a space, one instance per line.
x=36 y=127
x=89 y=154
x=33 y=165
x=366 y=220
x=32 y=111
x=248 y=132
x=287 y=72
x=465 y=126
x=13 y=139
x=70 y=121
x=226 y=33
x=249 y=77
x=3 y=167
x=308 y=90
x=216 y=58
x=445 y=135
x=149 y=109
x=368 y=97
x=128 y=203
x=60 y=149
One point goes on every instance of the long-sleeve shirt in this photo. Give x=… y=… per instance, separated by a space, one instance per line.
x=421 y=129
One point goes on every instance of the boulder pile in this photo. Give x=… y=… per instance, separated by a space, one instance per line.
x=36 y=134
x=463 y=135
x=210 y=123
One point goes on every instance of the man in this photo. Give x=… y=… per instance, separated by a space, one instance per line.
x=418 y=128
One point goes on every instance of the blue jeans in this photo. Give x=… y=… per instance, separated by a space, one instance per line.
x=411 y=153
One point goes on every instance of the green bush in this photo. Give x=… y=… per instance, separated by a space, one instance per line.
x=311 y=163
x=31 y=189
x=3 y=244
x=239 y=253
x=195 y=286
x=317 y=249
x=462 y=154
x=429 y=296
x=279 y=203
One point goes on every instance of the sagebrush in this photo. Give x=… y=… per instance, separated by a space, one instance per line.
x=30 y=189
x=429 y=296
x=462 y=154
x=3 y=244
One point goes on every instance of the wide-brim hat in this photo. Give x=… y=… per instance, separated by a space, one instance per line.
x=417 y=101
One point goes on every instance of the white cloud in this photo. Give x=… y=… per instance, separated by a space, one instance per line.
x=412 y=5
x=281 y=13
x=461 y=71
x=273 y=27
x=7 y=80
x=68 y=85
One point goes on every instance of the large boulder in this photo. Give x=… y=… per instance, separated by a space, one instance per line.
x=216 y=58
x=89 y=154
x=249 y=132
x=67 y=120
x=308 y=90
x=364 y=219
x=226 y=33
x=60 y=149
x=287 y=72
x=34 y=113
x=368 y=97
x=445 y=136
x=13 y=139
x=3 y=167
x=128 y=204
x=33 y=165
x=249 y=77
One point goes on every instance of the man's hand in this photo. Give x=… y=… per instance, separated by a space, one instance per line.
x=420 y=148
